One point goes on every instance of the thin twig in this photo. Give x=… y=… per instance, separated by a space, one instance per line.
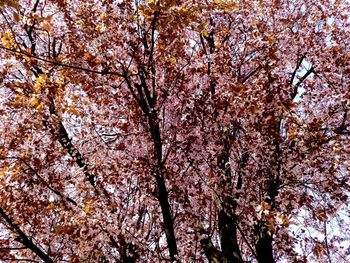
x=57 y=63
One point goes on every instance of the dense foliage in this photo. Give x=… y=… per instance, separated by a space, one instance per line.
x=163 y=130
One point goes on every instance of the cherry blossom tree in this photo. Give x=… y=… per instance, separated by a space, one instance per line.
x=174 y=131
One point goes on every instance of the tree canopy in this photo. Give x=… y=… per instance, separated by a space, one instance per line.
x=174 y=131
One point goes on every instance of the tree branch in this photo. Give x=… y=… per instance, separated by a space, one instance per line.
x=57 y=63
x=25 y=240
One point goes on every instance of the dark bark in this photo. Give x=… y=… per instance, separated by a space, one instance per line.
x=64 y=140
x=213 y=255
x=167 y=217
x=162 y=194
x=264 y=247
x=59 y=131
x=147 y=101
x=58 y=193
x=24 y=239
x=226 y=223
x=228 y=238
x=128 y=251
